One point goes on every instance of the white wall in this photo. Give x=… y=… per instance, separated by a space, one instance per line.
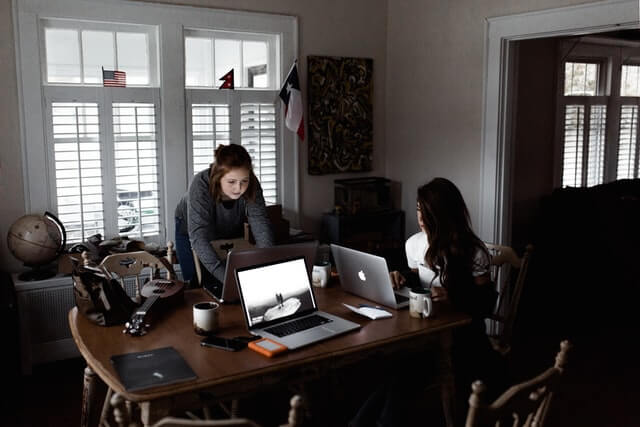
x=435 y=54
x=328 y=27
x=11 y=183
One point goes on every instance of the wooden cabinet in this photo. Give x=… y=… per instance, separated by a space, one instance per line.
x=380 y=233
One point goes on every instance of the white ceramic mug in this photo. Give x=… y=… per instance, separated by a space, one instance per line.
x=420 y=303
x=206 y=317
x=321 y=274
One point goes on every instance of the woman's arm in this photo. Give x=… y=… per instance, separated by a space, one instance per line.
x=259 y=221
x=201 y=220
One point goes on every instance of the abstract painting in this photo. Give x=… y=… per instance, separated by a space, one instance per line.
x=340 y=114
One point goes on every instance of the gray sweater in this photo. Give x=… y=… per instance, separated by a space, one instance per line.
x=208 y=220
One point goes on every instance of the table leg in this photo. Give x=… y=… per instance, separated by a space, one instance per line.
x=447 y=384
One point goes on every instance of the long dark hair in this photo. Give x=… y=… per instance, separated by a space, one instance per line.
x=229 y=157
x=452 y=243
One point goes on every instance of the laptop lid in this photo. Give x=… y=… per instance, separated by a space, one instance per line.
x=227 y=292
x=274 y=292
x=367 y=276
x=278 y=303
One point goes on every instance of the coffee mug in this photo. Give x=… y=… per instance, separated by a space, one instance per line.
x=420 y=303
x=321 y=274
x=205 y=317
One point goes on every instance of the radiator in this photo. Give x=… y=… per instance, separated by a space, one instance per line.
x=43 y=307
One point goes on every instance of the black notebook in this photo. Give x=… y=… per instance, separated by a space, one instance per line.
x=160 y=366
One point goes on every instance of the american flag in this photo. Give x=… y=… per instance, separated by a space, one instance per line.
x=113 y=78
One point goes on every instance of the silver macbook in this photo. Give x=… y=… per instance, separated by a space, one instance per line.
x=367 y=276
x=227 y=291
x=278 y=303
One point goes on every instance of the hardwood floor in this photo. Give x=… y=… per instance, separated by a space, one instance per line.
x=601 y=389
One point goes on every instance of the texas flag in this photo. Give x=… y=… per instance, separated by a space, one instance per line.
x=292 y=98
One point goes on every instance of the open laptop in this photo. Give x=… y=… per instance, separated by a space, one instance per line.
x=278 y=303
x=227 y=291
x=367 y=276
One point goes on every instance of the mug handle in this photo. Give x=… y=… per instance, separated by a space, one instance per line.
x=428 y=306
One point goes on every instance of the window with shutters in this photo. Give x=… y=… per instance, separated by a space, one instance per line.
x=583 y=127
x=116 y=160
x=78 y=168
x=627 y=161
x=246 y=115
x=105 y=156
x=598 y=110
x=258 y=136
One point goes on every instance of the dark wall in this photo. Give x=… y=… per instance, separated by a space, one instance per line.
x=533 y=141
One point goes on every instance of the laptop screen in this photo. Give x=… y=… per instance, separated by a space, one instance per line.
x=275 y=291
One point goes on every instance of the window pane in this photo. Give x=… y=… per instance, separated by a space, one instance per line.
x=63 y=55
x=77 y=165
x=228 y=57
x=628 y=142
x=630 y=80
x=581 y=79
x=210 y=127
x=136 y=169
x=573 y=140
x=595 y=154
x=97 y=52
x=198 y=62
x=254 y=55
x=133 y=57
x=258 y=136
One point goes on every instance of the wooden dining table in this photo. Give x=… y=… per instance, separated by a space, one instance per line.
x=223 y=375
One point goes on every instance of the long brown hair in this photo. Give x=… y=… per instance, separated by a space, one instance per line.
x=452 y=243
x=227 y=157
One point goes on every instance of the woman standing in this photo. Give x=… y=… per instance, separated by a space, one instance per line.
x=219 y=201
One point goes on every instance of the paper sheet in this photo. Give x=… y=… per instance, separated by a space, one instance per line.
x=370 y=312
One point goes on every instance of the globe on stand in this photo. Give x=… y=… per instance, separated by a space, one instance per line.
x=37 y=240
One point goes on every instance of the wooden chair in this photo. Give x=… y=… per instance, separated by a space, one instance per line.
x=221 y=248
x=132 y=264
x=503 y=259
x=122 y=416
x=522 y=405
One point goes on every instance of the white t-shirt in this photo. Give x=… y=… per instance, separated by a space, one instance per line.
x=416 y=247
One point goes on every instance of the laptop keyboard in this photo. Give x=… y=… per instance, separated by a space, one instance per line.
x=401 y=298
x=298 y=325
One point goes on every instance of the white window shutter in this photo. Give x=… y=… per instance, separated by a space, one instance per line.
x=573 y=145
x=258 y=136
x=628 y=142
x=78 y=169
x=597 y=139
x=210 y=127
x=136 y=169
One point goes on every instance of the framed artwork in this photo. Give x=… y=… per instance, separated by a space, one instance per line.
x=340 y=114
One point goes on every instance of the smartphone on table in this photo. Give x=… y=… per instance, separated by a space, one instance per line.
x=229 y=344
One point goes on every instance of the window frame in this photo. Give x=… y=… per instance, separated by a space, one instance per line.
x=610 y=54
x=170 y=22
x=601 y=84
x=234 y=99
x=150 y=31
x=104 y=100
x=272 y=54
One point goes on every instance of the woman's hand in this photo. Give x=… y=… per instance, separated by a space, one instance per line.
x=397 y=279
x=439 y=293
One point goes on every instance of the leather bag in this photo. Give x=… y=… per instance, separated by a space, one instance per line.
x=100 y=297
